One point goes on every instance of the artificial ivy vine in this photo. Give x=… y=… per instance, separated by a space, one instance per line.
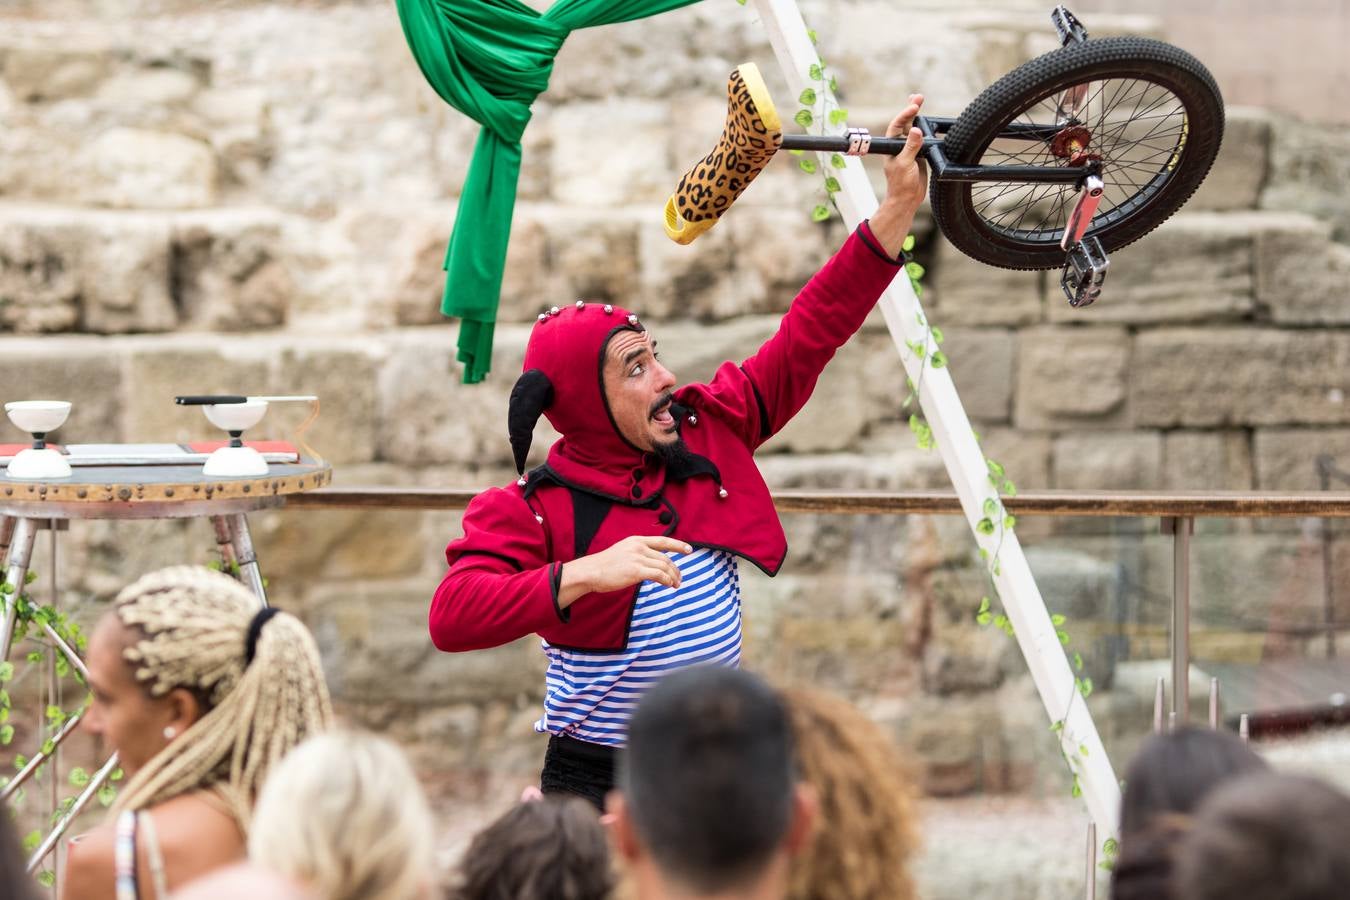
x=817 y=110
x=30 y=617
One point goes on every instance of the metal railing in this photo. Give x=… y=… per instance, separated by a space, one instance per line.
x=1177 y=512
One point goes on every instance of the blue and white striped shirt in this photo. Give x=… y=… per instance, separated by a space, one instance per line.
x=590 y=696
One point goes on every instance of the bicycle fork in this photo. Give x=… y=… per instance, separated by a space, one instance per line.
x=1085 y=266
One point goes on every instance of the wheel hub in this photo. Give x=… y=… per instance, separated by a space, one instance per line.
x=1072 y=144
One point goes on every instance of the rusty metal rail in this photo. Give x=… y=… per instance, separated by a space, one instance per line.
x=1146 y=504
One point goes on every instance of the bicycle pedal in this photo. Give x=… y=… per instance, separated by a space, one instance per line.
x=1084 y=272
x=1070 y=29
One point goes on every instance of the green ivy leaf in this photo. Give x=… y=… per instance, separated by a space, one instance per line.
x=983 y=618
x=984 y=604
x=35 y=656
x=117 y=775
x=938 y=336
x=939 y=360
x=6 y=588
x=1063 y=637
x=1009 y=488
x=1057 y=620
x=804 y=118
x=985 y=526
x=49 y=747
x=1009 y=523
x=19 y=762
x=107 y=794
x=796 y=152
x=820 y=213
x=908 y=245
x=994 y=468
x=1083 y=750
x=815 y=72
x=838 y=116
x=79 y=777
x=1057 y=726
x=46 y=878
x=914 y=269
x=31 y=840
x=29 y=577
x=984 y=554
x=832 y=184
x=807 y=165
x=7 y=735
x=807 y=97
x=1078 y=661
x=1077 y=791
x=990 y=506
x=834 y=85
x=1084 y=687
x=6 y=671
x=837 y=160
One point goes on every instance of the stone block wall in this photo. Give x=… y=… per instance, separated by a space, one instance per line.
x=192 y=199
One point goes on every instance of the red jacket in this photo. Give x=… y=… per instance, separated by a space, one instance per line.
x=596 y=490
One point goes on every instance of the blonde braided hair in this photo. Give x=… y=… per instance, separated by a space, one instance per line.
x=189 y=627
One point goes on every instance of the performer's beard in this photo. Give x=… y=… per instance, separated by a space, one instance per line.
x=676 y=454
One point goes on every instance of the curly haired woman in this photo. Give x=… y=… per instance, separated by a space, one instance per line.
x=865 y=835
x=201 y=693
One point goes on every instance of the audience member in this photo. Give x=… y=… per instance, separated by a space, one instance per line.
x=1166 y=782
x=553 y=848
x=1267 y=836
x=344 y=816
x=200 y=693
x=865 y=835
x=708 y=802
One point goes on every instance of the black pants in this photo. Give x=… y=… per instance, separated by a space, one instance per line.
x=578 y=767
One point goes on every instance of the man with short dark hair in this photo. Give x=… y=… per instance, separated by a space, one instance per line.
x=1267 y=836
x=708 y=804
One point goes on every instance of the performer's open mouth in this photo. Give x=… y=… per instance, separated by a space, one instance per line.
x=660 y=413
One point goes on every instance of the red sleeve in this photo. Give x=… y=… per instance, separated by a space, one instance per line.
x=501 y=586
x=759 y=396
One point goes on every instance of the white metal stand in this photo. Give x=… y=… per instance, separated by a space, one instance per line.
x=1050 y=670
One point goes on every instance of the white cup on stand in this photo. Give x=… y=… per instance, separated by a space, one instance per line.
x=235 y=460
x=38 y=418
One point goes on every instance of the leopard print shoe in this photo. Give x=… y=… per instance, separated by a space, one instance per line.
x=752 y=135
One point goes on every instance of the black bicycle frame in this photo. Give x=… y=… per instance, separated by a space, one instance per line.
x=944 y=169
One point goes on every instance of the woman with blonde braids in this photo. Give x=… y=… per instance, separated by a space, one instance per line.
x=865 y=835
x=201 y=692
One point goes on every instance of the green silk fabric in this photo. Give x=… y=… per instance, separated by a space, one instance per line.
x=489 y=59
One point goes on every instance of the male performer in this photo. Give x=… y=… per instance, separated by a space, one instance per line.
x=621 y=550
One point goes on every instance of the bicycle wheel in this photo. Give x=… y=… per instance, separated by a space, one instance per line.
x=1150 y=112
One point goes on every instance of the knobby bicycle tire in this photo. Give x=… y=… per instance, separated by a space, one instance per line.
x=1140 y=60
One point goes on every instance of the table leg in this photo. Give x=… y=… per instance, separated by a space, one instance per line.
x=224 y=541
x=16 y=573
x=248 y=560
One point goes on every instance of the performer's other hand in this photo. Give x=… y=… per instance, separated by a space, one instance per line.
x=906 y=181
x=631 y=561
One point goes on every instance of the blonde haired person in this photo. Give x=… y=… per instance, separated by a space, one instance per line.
x=201 y=692
x=344 y=816
x=865 y=834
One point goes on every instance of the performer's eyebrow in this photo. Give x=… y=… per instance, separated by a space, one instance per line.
x=634 y=353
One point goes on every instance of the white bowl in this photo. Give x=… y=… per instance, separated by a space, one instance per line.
x=235 y=416
x=38 y=416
